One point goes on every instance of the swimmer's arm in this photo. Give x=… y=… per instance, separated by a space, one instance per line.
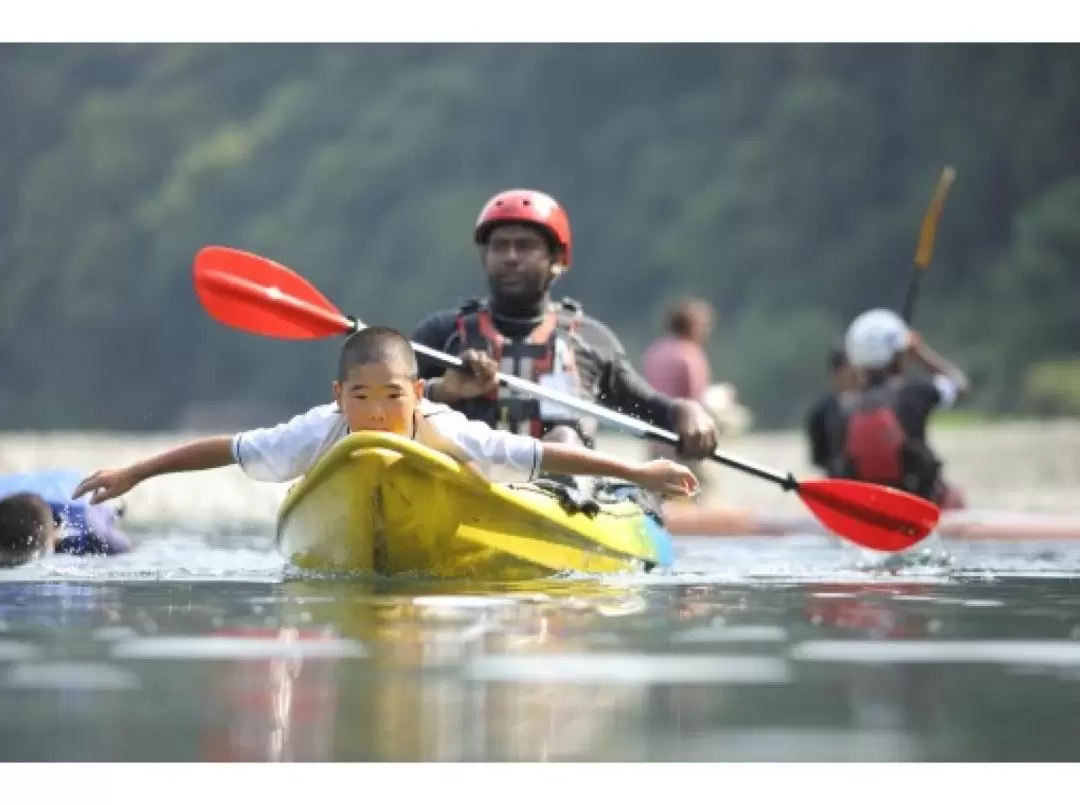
x=203 y=454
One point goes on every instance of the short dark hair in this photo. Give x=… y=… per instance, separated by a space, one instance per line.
x=25 y=519
x=680 y=320
x=376 y=345
x=837 y=359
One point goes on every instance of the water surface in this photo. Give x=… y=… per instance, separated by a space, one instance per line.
x=198 y=648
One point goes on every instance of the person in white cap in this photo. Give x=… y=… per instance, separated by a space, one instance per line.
x=878 y=432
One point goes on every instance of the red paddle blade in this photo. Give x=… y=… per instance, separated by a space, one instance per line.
x=869 y=515
x=255 y=294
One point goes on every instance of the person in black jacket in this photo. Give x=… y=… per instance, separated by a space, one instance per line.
x=525 y=246
x=841 y=378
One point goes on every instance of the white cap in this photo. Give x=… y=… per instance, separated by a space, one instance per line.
x=875 y=338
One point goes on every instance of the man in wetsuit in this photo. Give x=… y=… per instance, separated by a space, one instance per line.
x=38 y=516
x=841 y=378
x=878 y=430
x=525 y=246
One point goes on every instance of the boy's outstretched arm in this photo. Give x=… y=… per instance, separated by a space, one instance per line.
x=660 y=475
x=204 y=454
x=474 y=441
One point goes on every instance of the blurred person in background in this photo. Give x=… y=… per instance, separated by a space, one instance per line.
x=677 y=364
x=842 y=378
x=877 y=433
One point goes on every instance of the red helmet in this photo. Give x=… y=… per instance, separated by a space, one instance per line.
x=526 y=207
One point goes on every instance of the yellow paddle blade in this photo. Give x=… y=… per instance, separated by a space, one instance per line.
x=930 y=220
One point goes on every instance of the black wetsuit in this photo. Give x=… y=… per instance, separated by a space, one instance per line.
x=817 y=430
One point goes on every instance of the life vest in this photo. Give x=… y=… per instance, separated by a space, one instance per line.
x=545 y=356
x=876 y=448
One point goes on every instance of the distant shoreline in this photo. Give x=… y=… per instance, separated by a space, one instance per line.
x=1022 y=466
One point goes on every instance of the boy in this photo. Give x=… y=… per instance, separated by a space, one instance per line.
x=378 y=389
x=878 y=431
x=38 y=515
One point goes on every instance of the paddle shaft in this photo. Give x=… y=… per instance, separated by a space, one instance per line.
x=925 y=250
x=237 y=287
x=605 y=414
x=260 y=296
x=908 y=309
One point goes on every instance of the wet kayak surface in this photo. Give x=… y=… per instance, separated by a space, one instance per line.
x=749 y=649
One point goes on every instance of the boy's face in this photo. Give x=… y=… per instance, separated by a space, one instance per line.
x=380 y=396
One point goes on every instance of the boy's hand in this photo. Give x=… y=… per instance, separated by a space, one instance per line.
x=106 y=484
x=667 y=478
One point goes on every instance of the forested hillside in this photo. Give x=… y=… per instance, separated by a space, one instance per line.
x=784 y=183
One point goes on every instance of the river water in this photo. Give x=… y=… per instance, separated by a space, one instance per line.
x=211 y=648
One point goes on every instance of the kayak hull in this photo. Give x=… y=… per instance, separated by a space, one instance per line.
x=383 y=504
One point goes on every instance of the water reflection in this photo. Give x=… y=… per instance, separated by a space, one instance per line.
x=274 y=709
x=874 y=610
x=319 y=670
x=408 y=699
x=516 y=673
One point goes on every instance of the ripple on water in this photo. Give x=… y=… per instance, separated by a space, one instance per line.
x=797 y=745
x=289 y=645
x=184 y=557
x=106 y=633
x=1056 y=653
x=13 y=651
x=70 y=676
x=456 y=602
x=720 y=633
x=164 y=557
x=629 y=669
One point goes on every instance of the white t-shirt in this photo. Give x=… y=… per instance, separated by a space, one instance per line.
x=289 y=450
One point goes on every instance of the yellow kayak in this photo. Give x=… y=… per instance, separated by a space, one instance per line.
x=384 y=504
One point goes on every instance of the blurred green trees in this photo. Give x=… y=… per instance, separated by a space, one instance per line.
x=785 y=183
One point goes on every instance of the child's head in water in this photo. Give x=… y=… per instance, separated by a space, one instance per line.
x=378 y=385
x=28 y=529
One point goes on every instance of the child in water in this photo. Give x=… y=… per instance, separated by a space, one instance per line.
x=378 y=389
x=39 y=515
